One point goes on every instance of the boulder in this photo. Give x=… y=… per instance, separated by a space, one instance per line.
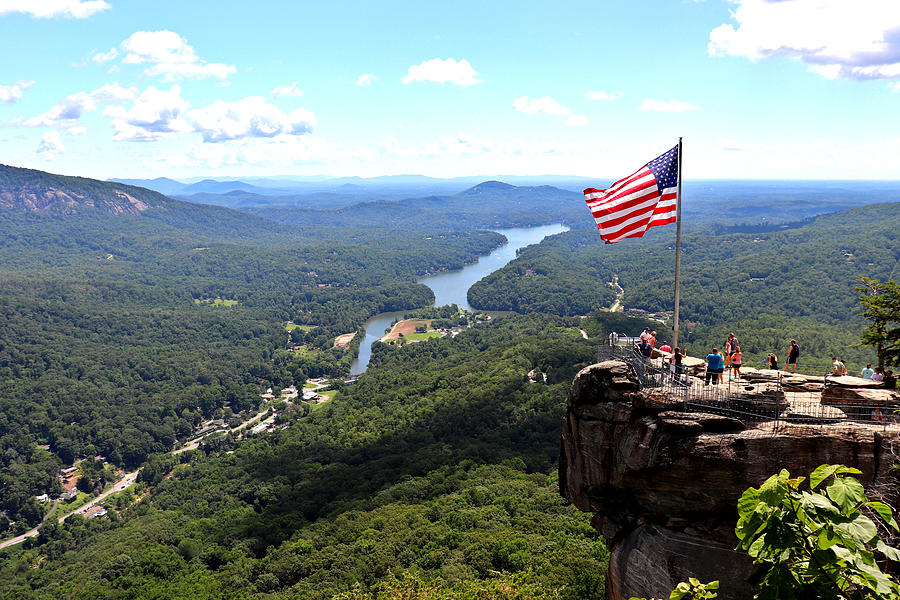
x=836 y=394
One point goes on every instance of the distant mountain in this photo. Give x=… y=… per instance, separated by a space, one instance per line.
x=163 y=185
x=488 y=205
x=211 y=186
x=488 y=187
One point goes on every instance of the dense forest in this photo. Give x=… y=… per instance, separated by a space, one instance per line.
x=767 y=287
x=385 y=478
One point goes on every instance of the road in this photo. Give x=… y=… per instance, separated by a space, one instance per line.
x=618 y=303
x=120 y=485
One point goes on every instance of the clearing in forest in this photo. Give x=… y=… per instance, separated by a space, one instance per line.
x=408 y=328
x=341 y=341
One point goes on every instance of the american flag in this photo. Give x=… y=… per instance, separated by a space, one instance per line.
x=646 y=198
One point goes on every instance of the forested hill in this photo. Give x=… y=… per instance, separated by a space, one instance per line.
x=486 y=205
x=780 y=284
x=42 y=207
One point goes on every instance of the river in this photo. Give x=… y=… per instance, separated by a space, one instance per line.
x=452 y=287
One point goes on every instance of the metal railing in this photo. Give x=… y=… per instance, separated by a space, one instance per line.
x=780 y=399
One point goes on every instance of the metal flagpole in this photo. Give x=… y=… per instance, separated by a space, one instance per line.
x=677 y=249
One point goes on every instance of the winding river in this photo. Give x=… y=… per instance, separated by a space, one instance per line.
x=452 y=287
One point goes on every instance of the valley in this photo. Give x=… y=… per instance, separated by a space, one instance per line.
x=151 y=338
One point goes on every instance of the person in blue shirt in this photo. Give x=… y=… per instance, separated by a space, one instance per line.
x=715 y=365
x=867 y=372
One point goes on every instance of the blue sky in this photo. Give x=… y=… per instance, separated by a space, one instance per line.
x=760 y=89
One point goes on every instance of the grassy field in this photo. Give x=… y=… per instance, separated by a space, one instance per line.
x=293 y=326
x=216 y=301
x=414 y=337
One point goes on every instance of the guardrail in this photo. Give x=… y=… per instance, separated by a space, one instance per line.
x=779 y=400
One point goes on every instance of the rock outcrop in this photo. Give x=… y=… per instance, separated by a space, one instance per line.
x=663 y=484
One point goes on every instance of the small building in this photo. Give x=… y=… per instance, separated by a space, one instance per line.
x=69 y=496
x=96 y=512
x=310 y=396
x=289 y=392
x=68 y=470
x=42 y=498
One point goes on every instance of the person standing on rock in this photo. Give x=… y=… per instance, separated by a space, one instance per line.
x=772 y=361
x=730 y=345
x=715 y=365
x=736 y=358
x=793 y=357
x=867 y=372
x=878 y=375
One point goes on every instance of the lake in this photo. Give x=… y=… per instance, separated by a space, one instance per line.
x=452 y=287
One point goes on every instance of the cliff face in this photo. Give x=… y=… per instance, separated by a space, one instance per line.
x=663 y=484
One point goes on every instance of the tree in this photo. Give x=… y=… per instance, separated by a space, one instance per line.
x=881 y=301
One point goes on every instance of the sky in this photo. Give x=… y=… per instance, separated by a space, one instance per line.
x=759 y=89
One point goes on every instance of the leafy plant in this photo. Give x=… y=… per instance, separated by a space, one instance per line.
x=692 y=589
x=820 y=542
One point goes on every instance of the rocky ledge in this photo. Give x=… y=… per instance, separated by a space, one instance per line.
x=663 y=484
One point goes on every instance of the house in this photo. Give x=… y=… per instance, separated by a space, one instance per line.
x=42 y=498
x=95 y=512
x=69 y=496
x=289 y=392
x=68 y=470
x=310 y=396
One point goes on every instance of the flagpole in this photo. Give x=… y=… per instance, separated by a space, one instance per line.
x=677 y=249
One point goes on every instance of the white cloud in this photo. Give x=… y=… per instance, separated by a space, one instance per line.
x=835 y=38
x=604 y=95
x=10 y=94
x=439 y=70
x=577 y=121
x=651 y=105
x=113 y=93
x=251 y=117
x=65 y=112
x=45 y=9
x=155 y=115
x=50 y=145
x=540 y=106
x=104 y=57
x=169 y=56
x=366 y=79
x=282 y=91
x=77 y=130
x=458 y=145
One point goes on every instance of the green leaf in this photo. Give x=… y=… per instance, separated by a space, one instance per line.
x=773 y=491
x=821 y=473
x=889 y=551
x=846 y=492
x=681 y=590
x=862 y=529
x=748 y=501
x=886 y=513
x=756 y=547
x=827 y=539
